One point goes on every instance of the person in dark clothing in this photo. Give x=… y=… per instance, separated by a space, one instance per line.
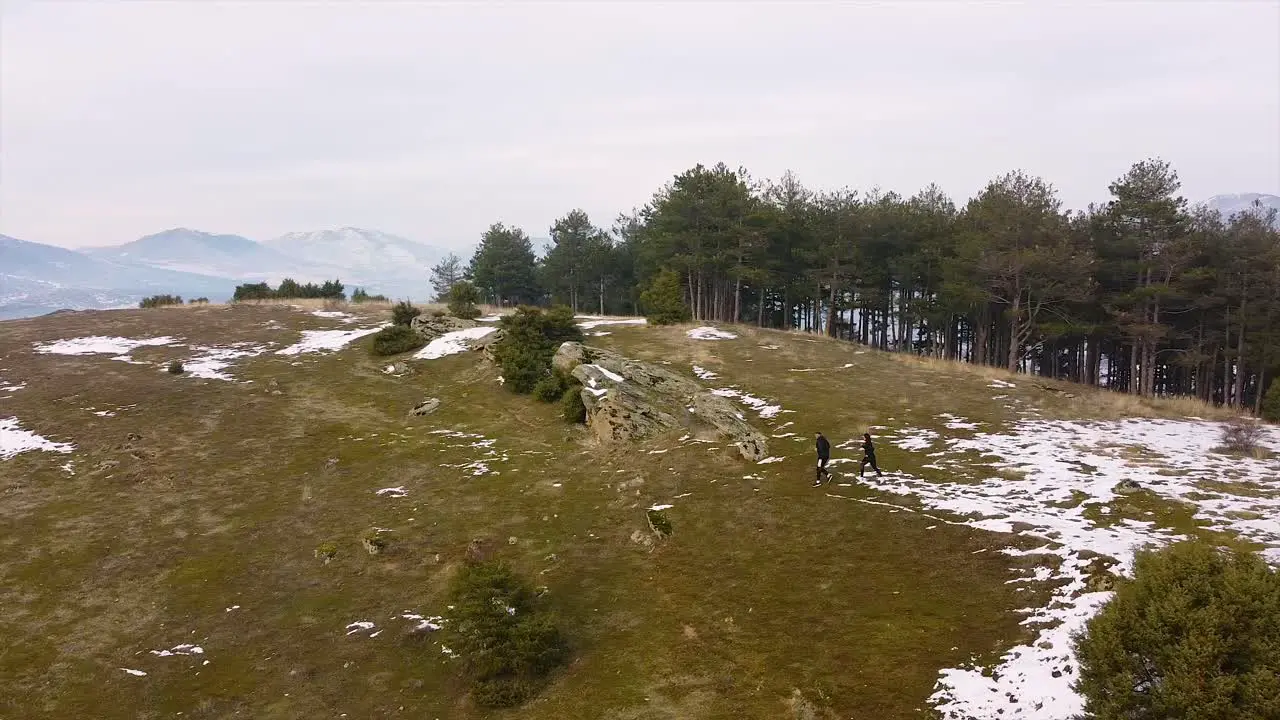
x=824 y=455
x=868 y=456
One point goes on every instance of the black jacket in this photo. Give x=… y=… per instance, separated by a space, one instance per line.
x=824 y=448
x=868 y=449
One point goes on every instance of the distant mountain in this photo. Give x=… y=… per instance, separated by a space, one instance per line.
x=375 y=260
x=37 y=278
x=1229 y=205
x=205 y=253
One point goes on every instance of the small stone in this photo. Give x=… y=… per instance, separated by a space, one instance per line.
x=512 y=540
x=426 y=407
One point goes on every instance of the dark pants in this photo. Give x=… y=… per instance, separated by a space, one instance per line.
x=822 y=469
x=868 y=460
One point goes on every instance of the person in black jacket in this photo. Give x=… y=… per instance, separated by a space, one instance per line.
x=868 y=456
x=824 y=455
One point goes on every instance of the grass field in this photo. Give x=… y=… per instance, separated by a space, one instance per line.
x=190 y=509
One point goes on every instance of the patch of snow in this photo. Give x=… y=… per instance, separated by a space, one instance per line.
x=771 y=460
x=913 y=439
x=600 y=333
x=131 y=671
x=327 y=340
x=489 y=318
x=598 y=392
x=184 y=649
x=995 y=383
x=14 y=440
x=590 y=322
x=233 y=607
x=1033 y=681
x=452 y=343
x=7 y=387
x=432 y=623
x=704 y=374
x=101 y=345
x=607 y=373
x=710 y=333
x=760 y=406
x=211 y=361
x=395 y=492
x=802 y=370
x=661 y=507
x=359 y=626
x=345 y=317
x=956 y=422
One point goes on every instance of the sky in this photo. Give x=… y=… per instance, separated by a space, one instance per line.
x=434 y=120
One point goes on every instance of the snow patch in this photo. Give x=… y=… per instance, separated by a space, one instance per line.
x=359 y=626
x=771 y=460
x=212 y=361
x=760 y=406
x=955 y=422
x=710 y=333
x=591 y=321
x=1058 y=462
x=137 y=673
x=14 y=440
x=395 y=492
x=1001 y=384
x=327 y=340
x=184 y=649
x=101 y=345
x=452 y=343
x=704 y=374
x=659 y=508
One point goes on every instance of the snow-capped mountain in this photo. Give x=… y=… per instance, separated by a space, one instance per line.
x=1229 y=205
x=377 y=261
x=205 y=253
x=37 y=278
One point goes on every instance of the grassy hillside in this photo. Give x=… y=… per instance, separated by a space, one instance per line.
x=190 y=509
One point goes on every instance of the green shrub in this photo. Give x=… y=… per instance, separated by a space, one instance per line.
x=549 y=388
x=362 y=296
x=571 y=405
x=395 y=340
x=403 y=313
x=156 y=301
x=1271 y=403
x=176 y=368
x=326 y=552
x=529 y=340
x=659 y=521
x=373 y=541
x=198 y=301
x=663 y=302
x=1194 y=634
x=290 y=289
x=463 y=300
x=438 y=313
x=505 y=640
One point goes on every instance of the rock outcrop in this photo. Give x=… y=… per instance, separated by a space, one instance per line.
x=629 y=400
x=431 y=327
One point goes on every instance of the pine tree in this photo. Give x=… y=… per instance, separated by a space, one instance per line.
x=663 y=303
x=505 y=267
x=445 y=274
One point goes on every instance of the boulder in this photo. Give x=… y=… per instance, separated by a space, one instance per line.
x=569 y=356
x=426 y=407
x=487 y=344
x=629 y=400
x=1126 y=487
x=431 y=327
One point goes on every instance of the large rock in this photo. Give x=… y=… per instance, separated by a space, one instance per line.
x=431 y=327
x=630 y=400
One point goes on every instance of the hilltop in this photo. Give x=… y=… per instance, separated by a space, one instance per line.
x=163 y=528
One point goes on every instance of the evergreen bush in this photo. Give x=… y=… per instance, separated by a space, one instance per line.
x=575 y=411
x=1194 y=634
x=395 y=340
x=403 y=313
x=506 y=642
x=1271 y=403
x=663 y=302
x=464 y=299
x=529 y=339
x=156 y=301
x=176 y=367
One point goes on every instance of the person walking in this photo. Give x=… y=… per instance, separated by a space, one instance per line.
x=824 y=455
x=868 y=456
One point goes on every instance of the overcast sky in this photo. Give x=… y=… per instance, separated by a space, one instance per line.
x=119 y=119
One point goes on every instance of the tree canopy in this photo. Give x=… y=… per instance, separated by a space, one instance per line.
x=1142 y=294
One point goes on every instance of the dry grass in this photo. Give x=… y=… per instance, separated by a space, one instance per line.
x=765 y=587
